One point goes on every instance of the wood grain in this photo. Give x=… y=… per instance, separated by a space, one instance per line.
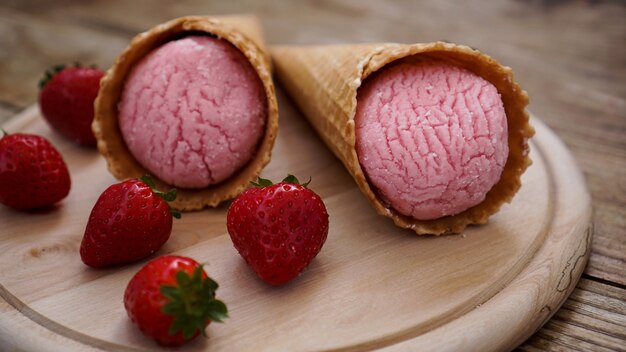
x=32 y=44
x=592 y=319
x=6 y=112
x=12 y=321
x=380 y=286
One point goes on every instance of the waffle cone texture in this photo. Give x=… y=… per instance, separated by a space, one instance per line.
x=244 y=33
x=324 y=80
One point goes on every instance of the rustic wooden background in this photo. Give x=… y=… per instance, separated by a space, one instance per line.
x=569 y=55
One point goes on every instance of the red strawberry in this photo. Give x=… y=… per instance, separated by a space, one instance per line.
x=172 y=300
x=66 y=100
x=278 y=228
x=32 y=172
x=130 y=221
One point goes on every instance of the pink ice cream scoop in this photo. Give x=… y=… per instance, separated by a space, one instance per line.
x=431 y=137
x=193 y=111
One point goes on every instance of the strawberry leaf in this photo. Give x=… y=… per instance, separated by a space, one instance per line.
x=192 y=303
x=293 y=179
x=50 y=72
x=211 y=285
x=217 y=311
x=47 y=76
x=170 y=196
x=176 y=213
x=262 y=182
x=169 y=291
x=4 y=133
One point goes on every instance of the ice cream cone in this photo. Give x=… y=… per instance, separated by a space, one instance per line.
x=323 y=81
x=244 y=33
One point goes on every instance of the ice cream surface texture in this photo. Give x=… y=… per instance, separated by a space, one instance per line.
x=431 y=137
x=192 y=111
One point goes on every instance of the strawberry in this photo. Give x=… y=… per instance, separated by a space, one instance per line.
x=130 y=221
x=172 y=300
x=33 y=173
x=278 y=228
x=66 y=100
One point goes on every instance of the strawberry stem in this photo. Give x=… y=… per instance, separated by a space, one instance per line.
x=192 y=303
x=170 y=196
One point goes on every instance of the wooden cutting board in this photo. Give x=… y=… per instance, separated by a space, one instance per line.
x=372 y=286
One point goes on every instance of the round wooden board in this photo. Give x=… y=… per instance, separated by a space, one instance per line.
x=372 y=286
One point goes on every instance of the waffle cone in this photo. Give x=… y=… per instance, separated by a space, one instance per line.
x=323 y=81
x=241 y=31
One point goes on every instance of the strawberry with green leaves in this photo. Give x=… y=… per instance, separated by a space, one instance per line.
x=33 y=173
x=130 y=221
x=172 y=300
x=66 y=99
x=278 y=228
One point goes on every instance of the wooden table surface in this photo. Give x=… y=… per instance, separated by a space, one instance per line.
x=569 y=55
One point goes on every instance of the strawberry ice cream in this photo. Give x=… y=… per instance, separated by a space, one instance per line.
x=431 y=137
x=193 y=111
